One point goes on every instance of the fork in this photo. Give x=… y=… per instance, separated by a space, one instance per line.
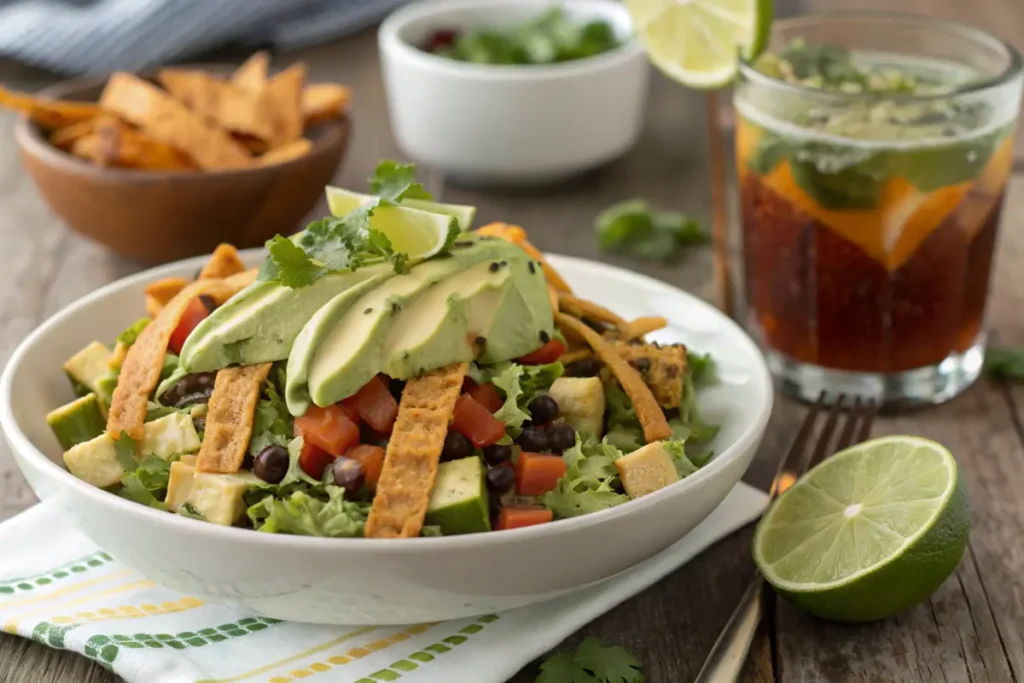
x=725 y=661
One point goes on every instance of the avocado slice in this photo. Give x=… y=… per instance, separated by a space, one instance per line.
x=87 y=367
x=78 y=421
x=519 y=320
x=259 y=324
x=341 y=347
x=458 y=502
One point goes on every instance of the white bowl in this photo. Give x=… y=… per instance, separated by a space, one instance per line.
x=511 y=124
x=367 y=581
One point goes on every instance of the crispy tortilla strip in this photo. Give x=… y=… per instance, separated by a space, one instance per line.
x=575 y=355
x=161 y=292
x=651 y=417
x=581 y=308
x=230 y=416
x=252 y=75
x=282 y=101
x=140 y=371
x=279 y=155
x=553 y=298
x=517 y=236
x=323 y=101
x=50 y=114
x=219 y=101
x=637 y=329
x=164 y=118
x=251 y=143
x=410 y=465
x=224 y=262
x=662 y=368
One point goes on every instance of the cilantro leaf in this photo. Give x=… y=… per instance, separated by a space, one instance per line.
x=609 y=663
x=131 y=333
x=147 y=483
x=393 y=182
x=562 y=668
x=124 y=451
x=1005 y=362
x=189 y=510
x=272 y=421
x=633 y=227
x=289 y=263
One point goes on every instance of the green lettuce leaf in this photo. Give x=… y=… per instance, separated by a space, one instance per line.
x=147 y=483
x=520 y=384
x=272 y=423
x=587 y=485
x=677 y=449
x=303 y=514
x=131 y=333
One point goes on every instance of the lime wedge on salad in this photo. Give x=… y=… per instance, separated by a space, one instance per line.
x=340 y=201
x=700 y=42
x=869 y=532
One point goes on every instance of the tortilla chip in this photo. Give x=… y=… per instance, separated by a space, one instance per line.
x=581 y=308
x=651 y=417
x=323 y=101
x=279 y=155
x=252 y=75
x=125 y=147
x=219 y=101
x=410 y=464
x=223 y=263
x=517 y=236
x=229 y=420
x=95 y=148
x=639 y=328
x=251 y=143
x=164 y=118
x=50 y=114
x=143 y=363
x=66 y=136
x=282 y=99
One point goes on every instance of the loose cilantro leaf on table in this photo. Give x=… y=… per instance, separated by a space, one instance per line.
x=593 y=662
x=1005 y=362
x=634 y=228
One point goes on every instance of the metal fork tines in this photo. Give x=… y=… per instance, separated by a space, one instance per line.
x=725 y=661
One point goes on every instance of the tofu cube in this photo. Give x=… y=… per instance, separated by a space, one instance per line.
x=218 y=497
x=646 y=470
x=179 y=485
x=581 y=403
x=95 y=462
x=170 y=435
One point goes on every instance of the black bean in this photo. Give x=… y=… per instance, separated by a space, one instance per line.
x=643 y=365
x=348 y=473
x=189 y=389
x=456 y=446
x=199 y=424
x=561 y=436
x=209 y=302
x=544 y=337
x=497 y=454
x=247 y=460
x=500 y=480
x=533 y=439
x=271 y=464
x=396 y=387
x=543 y=409
x=588 y=367
x=618 y=487
x=368 y=436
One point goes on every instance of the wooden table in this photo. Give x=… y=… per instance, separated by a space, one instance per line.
x=971 y=630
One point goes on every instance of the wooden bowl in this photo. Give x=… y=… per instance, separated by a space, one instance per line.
x=161 y=216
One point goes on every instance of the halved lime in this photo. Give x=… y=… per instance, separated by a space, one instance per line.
x=340 y=201
x=869 y=532
x=699 y=42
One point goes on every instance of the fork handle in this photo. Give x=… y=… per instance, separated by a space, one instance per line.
x=727 y=656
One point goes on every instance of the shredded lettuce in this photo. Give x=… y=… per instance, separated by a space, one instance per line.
x=588 y=484
x=272 y=423
x=131 y=333
x=304 y=514
x=676 y=449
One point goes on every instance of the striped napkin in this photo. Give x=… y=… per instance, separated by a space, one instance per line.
x=97 y=36
x=61 y=590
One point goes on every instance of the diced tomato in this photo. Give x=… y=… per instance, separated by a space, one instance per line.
x=314 y=460
x=195 y=313
x=372 y=460
x=537 y=474
x=486 y=395
x=476 y=423
x=549 y=353
x=376 y=405
x=328 y=428
x=518 y=517
x=351 y=411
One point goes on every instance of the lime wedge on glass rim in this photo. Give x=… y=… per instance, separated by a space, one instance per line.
x=340 y=201
x=699 y=42
x=869 y=532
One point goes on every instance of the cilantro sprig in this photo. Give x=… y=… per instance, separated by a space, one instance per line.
x=348 y=242
x=1005 y=362
x=592 y=662
x=633 y=227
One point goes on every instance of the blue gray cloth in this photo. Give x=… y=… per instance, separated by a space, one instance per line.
x=97 y=36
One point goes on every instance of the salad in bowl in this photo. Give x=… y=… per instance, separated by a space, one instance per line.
x=386 y=373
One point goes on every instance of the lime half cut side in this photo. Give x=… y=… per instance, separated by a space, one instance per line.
x=700 y=42
x=340 y=201
x=869 y=532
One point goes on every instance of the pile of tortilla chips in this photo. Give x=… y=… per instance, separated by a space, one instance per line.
x=196 y=122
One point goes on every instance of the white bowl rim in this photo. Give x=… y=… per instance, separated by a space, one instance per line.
x=26 y=449
x=390 y=40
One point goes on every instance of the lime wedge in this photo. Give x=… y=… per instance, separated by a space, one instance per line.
x=340 y=201
x=700 y=42
x=869 y=532
x=418 y=234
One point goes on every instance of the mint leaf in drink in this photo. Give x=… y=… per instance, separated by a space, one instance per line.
x=393 y=182
x=634 y=227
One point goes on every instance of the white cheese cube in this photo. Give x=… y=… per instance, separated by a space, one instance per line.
x=95 y=462
x=170 y=435
x=646 y=470
x=218 y=497
x=581 y=403
x=179 y=485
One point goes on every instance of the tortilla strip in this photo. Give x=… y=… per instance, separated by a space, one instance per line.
x=582 y=308
x=517 y=236
x=224 y=262
x=159 y=293
x=229 y=106
x=279 y=155
x=637 y=329
x=140 y=371
x=575 y=355
x=167 y=120
x=651 y=417
x=662 y=367
x=230 y=416
x=410 y=464
x=252 y=75
x=282 y=100
x=50 y=114
x=553 y=298
x=323 y=101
